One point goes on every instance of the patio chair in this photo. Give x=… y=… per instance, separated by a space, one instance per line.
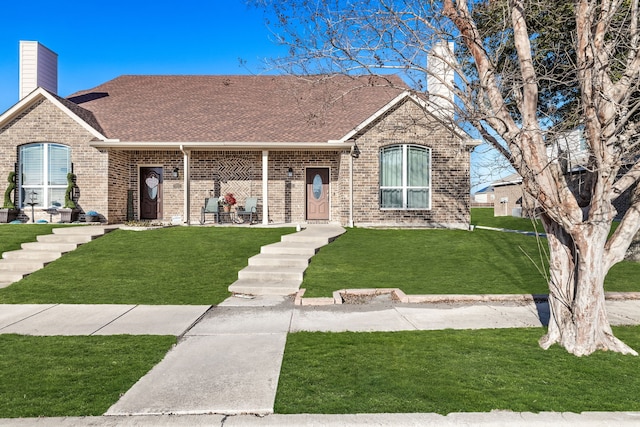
x=210 y=207
x=250 y=208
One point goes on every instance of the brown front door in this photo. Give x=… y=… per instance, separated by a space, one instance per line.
x=318 y=193
x=150 y=193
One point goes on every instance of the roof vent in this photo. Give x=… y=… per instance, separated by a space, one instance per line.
x=38 y=68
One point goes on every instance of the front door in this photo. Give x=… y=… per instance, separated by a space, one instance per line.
x=318 y=193
x=150 y=192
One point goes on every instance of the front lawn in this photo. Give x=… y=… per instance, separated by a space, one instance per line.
x=178 y=265
x=451 y=371
x=484 y=217
x=72 y=376
x=428 y=262
x=442 y=262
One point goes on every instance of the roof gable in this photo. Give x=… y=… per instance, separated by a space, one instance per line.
x=81 y=116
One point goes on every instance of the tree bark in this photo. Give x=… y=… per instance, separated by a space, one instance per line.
x=578 y=320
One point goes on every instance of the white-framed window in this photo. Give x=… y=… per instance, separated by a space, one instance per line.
x=43 y=171
x=405 y=177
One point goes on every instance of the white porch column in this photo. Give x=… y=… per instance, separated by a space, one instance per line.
x=187 y=187
x=265 y=187
x=350 y=191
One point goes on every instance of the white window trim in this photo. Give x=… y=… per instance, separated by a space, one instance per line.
x=43 y=196
x=404 y=187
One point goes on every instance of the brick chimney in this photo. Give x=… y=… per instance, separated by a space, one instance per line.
x=38 y=68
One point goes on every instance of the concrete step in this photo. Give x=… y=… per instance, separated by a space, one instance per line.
x=289 y=248
x=314 y=239
x=24 y=254
x=251 y=287
x=96 y=230
x=9 y=277
x=21 y=266
x=50 y=247
x=65 y=238
x=266 y=274
x=4 y=284
x=282 y=260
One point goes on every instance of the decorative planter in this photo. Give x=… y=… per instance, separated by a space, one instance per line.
x=8 y=215
x=68 y=215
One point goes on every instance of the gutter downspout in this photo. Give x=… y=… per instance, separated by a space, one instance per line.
x=187 y=186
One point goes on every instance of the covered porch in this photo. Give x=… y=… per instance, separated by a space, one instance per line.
x=285 y=178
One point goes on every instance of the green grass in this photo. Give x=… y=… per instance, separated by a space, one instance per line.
x=428 y=262
x=13 y=235
x=484 y=217
x=445 y=261
x=72 y=376
x=451 y=371
x=178 y=265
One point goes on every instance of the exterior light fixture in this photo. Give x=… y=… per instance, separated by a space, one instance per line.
x=290 y=173
x=175 y=172
x=355 y=151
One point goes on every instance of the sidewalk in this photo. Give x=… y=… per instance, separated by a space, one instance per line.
x=99 y=319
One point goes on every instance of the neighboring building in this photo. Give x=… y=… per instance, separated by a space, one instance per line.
x=484 y=196
x=363 y=150
x=507 y=196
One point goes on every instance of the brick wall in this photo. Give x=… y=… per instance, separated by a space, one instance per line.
x=450 y=182
x=44 y=122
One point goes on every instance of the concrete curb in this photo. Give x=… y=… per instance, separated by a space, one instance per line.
x=398 y=295
x=493 y=418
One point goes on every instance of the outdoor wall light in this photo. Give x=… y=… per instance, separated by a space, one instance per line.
x=175 y=172
x=355 y=151
x=290 y=172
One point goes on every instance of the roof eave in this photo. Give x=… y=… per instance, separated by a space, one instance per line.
x=216 y=146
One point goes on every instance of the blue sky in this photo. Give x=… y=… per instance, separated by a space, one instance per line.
x=98 y=41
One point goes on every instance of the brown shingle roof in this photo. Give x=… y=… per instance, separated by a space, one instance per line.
x=235 y=108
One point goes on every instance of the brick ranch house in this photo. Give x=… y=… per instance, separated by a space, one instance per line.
x=362 y=151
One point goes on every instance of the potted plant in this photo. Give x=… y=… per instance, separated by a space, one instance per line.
x=70 y=212
x=9 y=212
x=227 y=201
x=92 y=216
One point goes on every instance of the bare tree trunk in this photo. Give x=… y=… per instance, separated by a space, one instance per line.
x=578 y=321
